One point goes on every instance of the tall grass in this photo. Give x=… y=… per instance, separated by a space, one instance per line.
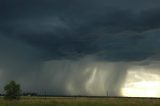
x=81 y=101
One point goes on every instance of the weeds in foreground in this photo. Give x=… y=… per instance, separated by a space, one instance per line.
x=62 y=101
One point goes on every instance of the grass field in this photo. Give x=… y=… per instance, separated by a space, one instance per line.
x=81 y=101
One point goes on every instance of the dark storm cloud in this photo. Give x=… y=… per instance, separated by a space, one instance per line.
x=62 y=42
x=71 y=29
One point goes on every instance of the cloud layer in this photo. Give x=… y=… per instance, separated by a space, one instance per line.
x=34 y=32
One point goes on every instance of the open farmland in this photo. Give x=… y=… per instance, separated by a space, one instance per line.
x=81 y=101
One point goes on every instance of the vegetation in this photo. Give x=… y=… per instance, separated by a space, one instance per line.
x=12 y=91
x=81 y=101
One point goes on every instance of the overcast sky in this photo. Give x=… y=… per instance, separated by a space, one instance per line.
x=51 y=42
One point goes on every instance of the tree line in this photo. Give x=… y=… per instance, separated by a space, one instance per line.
x=13 y=91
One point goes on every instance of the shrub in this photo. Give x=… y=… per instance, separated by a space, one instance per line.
x=12 y=91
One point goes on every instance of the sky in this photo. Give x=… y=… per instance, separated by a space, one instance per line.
x=81 y=47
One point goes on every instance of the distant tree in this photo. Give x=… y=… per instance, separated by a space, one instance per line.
x=12 y=91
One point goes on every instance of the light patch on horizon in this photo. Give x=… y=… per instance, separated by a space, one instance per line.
x=142 y=82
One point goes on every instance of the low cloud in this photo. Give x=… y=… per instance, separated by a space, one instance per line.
x=71 y=44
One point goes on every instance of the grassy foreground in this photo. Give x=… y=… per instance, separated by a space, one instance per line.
x=81 y=101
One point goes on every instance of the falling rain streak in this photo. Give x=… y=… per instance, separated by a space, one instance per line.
x=89 y=77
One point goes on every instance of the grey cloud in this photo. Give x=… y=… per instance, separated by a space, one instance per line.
x=55 y=34
x=50 y=38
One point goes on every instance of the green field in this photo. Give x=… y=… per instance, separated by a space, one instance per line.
x=81 y=101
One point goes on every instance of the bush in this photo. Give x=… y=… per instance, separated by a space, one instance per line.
x=12 y=91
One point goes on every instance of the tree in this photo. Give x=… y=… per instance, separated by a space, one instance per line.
x=12 y=91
